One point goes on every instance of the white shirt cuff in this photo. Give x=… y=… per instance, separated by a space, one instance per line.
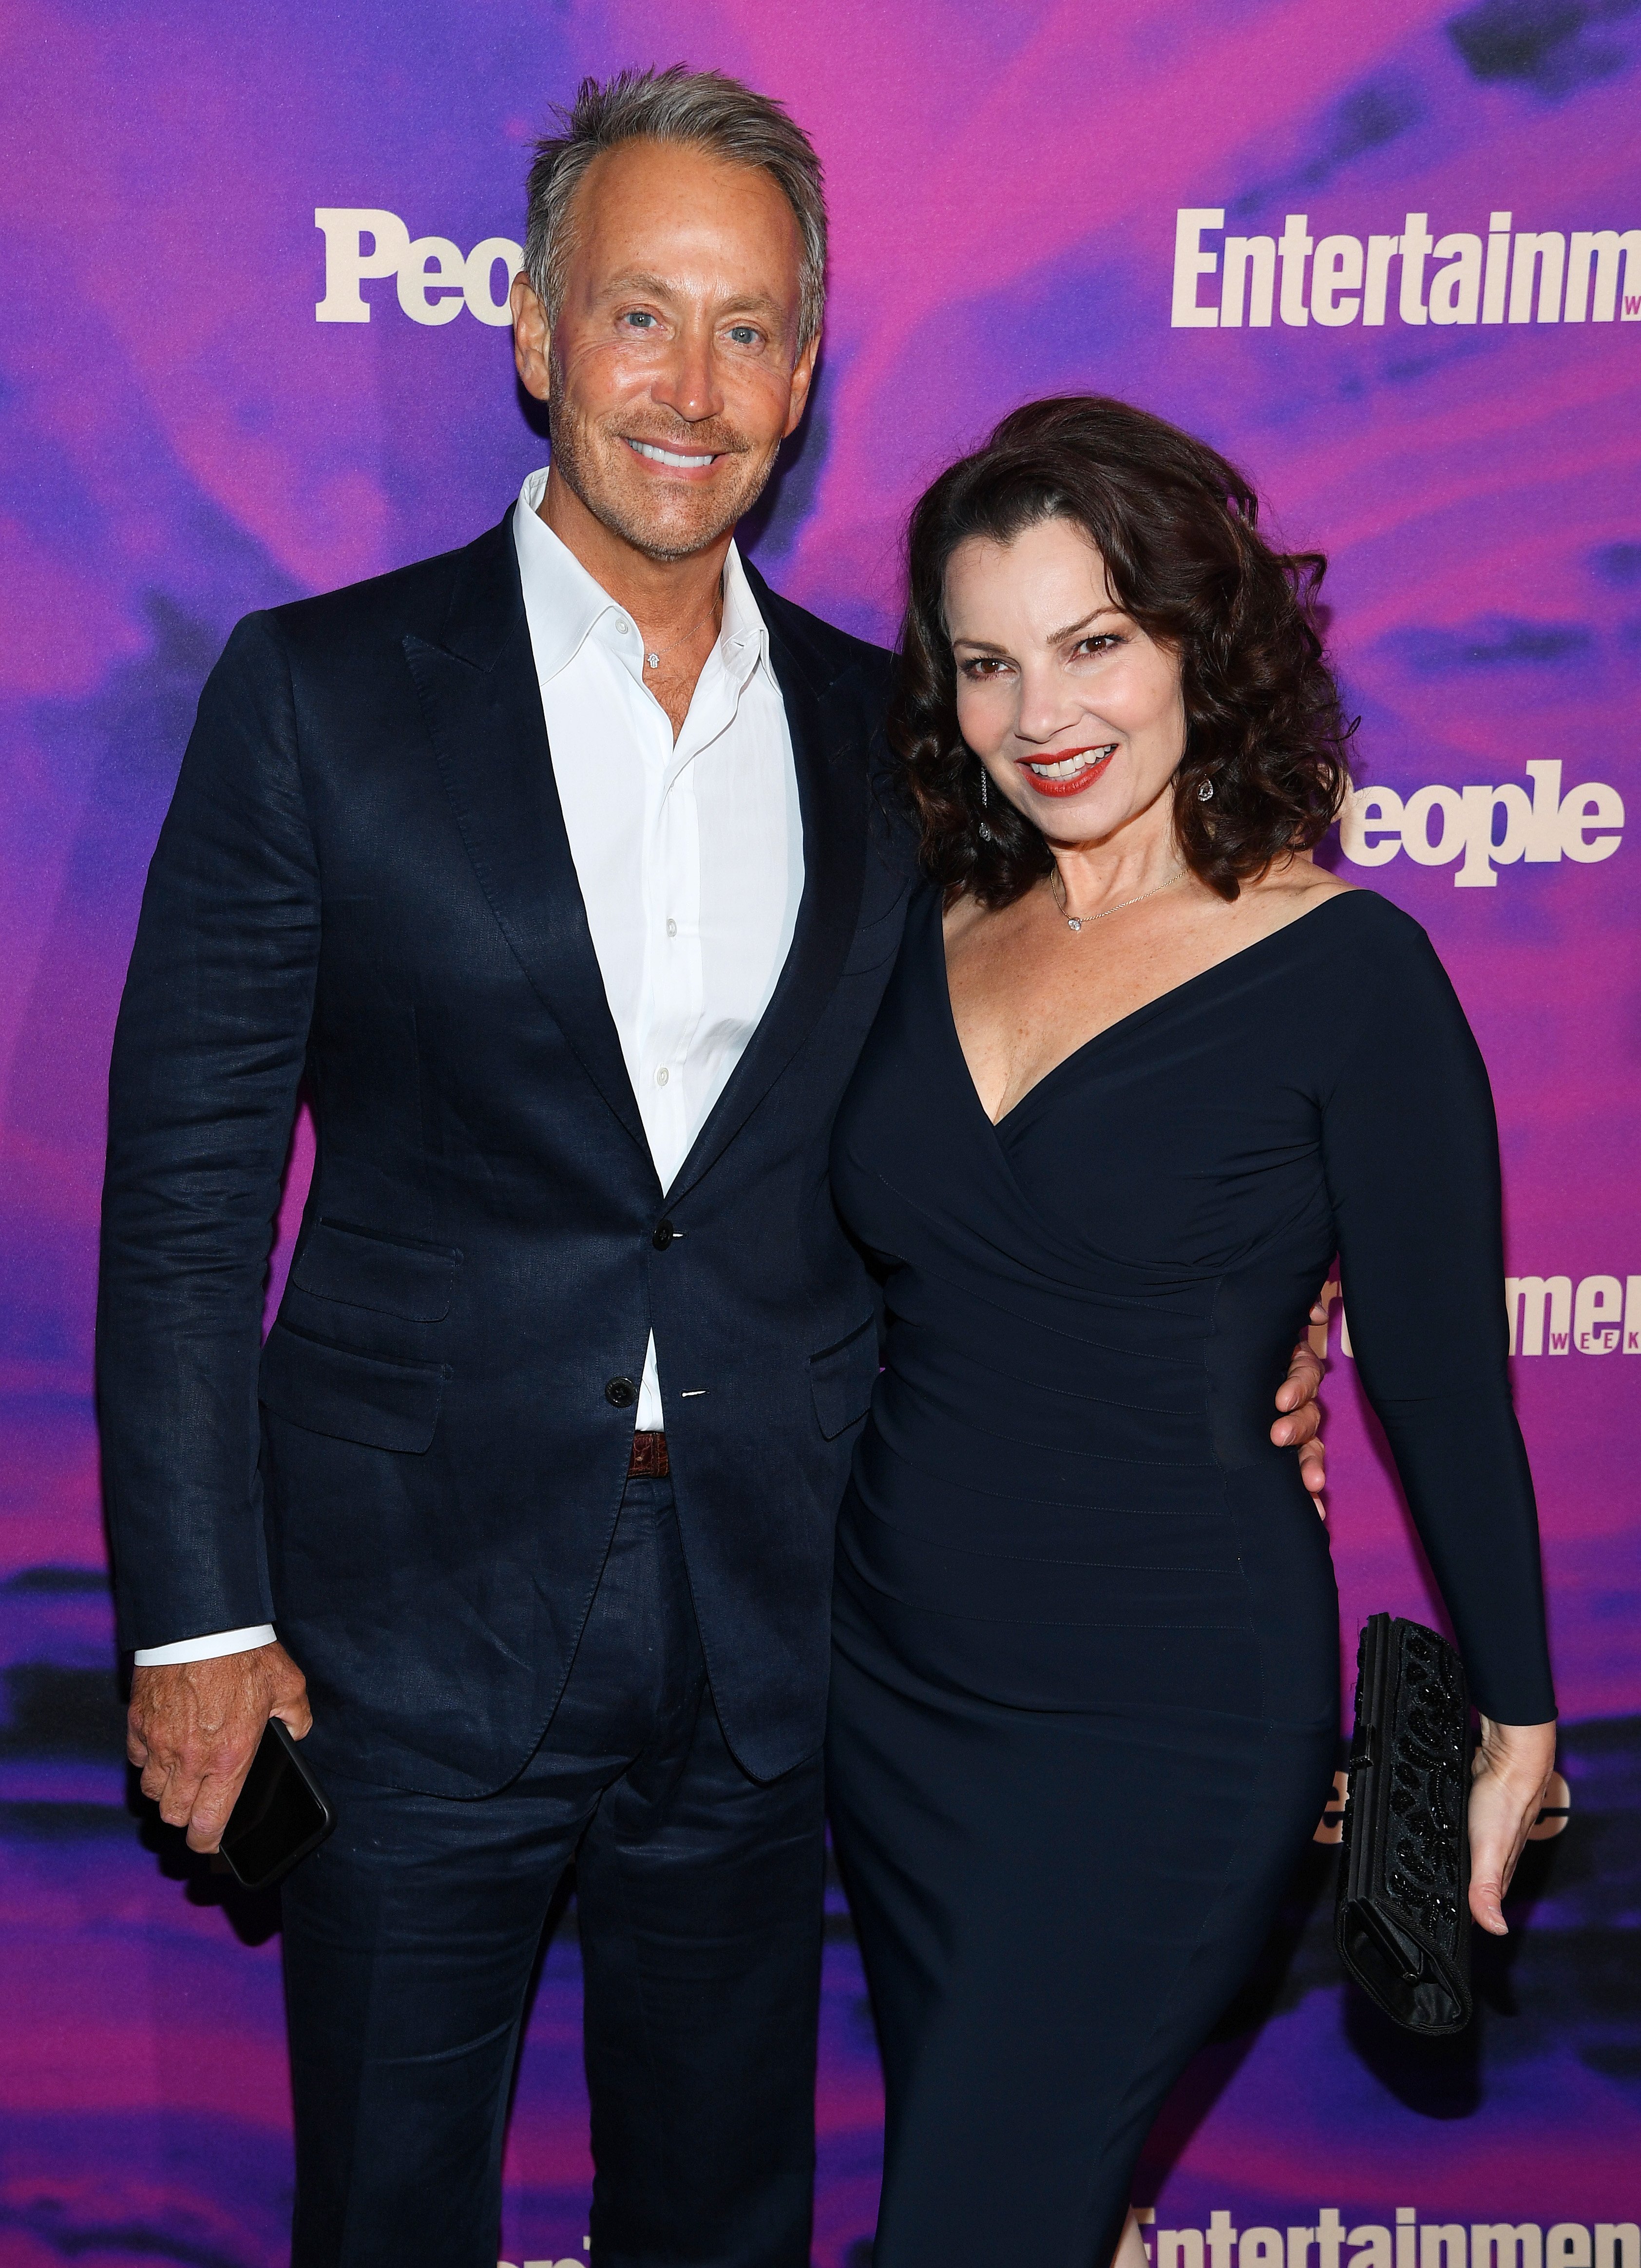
x=209 y=1648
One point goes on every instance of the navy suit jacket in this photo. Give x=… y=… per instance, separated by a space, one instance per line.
x=365 y=887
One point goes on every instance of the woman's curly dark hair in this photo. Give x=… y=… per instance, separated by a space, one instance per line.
x=1177 y=528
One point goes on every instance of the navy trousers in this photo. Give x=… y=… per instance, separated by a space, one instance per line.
x=409 y=1939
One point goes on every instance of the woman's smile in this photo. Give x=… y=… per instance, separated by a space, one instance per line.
x=1068 y=774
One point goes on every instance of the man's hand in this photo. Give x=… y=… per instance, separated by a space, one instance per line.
x=1296 y=1396
x=192 y=1727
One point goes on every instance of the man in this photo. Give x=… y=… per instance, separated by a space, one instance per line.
x=557 y=868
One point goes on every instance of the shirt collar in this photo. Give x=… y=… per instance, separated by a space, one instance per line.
x=744 y=640
x=565 y=605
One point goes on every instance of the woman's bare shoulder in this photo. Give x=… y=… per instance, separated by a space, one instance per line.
x=1299 y=876
x=1285 y=893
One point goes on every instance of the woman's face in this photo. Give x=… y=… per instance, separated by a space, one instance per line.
x=1075 y=711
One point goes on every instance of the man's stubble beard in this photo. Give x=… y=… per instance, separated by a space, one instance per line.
x=576 y=461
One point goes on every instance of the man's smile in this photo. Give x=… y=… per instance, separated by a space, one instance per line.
x=1068 y=774
x=675 y=460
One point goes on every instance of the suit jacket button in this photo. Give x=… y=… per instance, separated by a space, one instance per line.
x=621 y=1394
x=663 y=1234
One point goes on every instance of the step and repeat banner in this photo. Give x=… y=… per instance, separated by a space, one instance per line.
x=254 y=345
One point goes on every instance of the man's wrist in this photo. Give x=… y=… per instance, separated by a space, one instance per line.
x=210 y=1647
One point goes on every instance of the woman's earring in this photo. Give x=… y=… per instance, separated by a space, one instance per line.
x=986 y=835
x=1205 y=793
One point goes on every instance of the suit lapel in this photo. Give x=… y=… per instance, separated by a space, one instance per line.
x=482 y=703
x=823 y=718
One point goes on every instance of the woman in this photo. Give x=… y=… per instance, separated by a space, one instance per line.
x=1143 y=1070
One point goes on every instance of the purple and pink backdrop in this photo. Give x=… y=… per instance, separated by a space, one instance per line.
x=1430 y=371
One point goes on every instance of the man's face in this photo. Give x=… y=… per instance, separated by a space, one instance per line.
x=671 y=374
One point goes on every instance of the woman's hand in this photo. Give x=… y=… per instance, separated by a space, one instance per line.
x=1512 y=1767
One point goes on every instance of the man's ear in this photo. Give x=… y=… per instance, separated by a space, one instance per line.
x=802 y=378
x=532 y=338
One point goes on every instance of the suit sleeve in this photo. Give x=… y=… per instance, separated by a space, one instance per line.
x=208 y=1056
x=1411 y=1149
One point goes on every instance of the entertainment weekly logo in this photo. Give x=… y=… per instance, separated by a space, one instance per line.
x=1485 y=827
x=1512 y=276
x=1547 y=1314
x=1369 y=2244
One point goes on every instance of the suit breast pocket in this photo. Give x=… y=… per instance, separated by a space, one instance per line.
x=842 y=1378
x=350 y=1395
x=386 y=1275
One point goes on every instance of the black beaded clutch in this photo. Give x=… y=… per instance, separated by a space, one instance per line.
x=1403 y=1922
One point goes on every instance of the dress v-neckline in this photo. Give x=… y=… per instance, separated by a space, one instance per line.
x=1106 y=1031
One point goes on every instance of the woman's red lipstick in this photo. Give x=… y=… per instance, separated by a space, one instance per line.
x=1075 y=781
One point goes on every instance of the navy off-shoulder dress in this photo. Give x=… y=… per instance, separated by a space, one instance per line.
x=1086 y=1670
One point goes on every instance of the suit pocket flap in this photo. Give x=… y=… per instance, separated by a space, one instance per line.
x=362 y=1267
x=351 y=1396
x=842 y=1377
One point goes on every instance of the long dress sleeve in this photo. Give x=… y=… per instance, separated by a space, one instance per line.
x=1410 y=1148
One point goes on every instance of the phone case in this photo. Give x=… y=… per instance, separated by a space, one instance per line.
x=280 y=1816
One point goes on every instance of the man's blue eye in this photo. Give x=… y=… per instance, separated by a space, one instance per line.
x=743 y=334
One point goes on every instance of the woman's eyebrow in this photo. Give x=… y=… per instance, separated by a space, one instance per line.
x=1058 y=638
x=1055 y=638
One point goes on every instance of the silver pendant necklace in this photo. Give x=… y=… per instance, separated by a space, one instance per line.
x=1076 y=921
x=653 y=655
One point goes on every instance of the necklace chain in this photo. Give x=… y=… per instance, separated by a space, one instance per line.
x=652 y=652
x=1077 y=921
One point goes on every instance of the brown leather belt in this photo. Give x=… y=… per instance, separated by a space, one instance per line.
x=649 y=1458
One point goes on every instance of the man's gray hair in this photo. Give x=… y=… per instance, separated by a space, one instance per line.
x=707 y=111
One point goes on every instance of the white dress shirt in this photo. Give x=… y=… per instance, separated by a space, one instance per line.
x=689 y=853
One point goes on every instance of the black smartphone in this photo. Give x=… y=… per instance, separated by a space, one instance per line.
x=281 y=1814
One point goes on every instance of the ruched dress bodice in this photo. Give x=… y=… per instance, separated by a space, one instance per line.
x=1090 y=1305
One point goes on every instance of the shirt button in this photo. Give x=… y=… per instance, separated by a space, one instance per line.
x=621 y=1394
x=672 y=926
x=662 y=1076
x=662 y=1235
